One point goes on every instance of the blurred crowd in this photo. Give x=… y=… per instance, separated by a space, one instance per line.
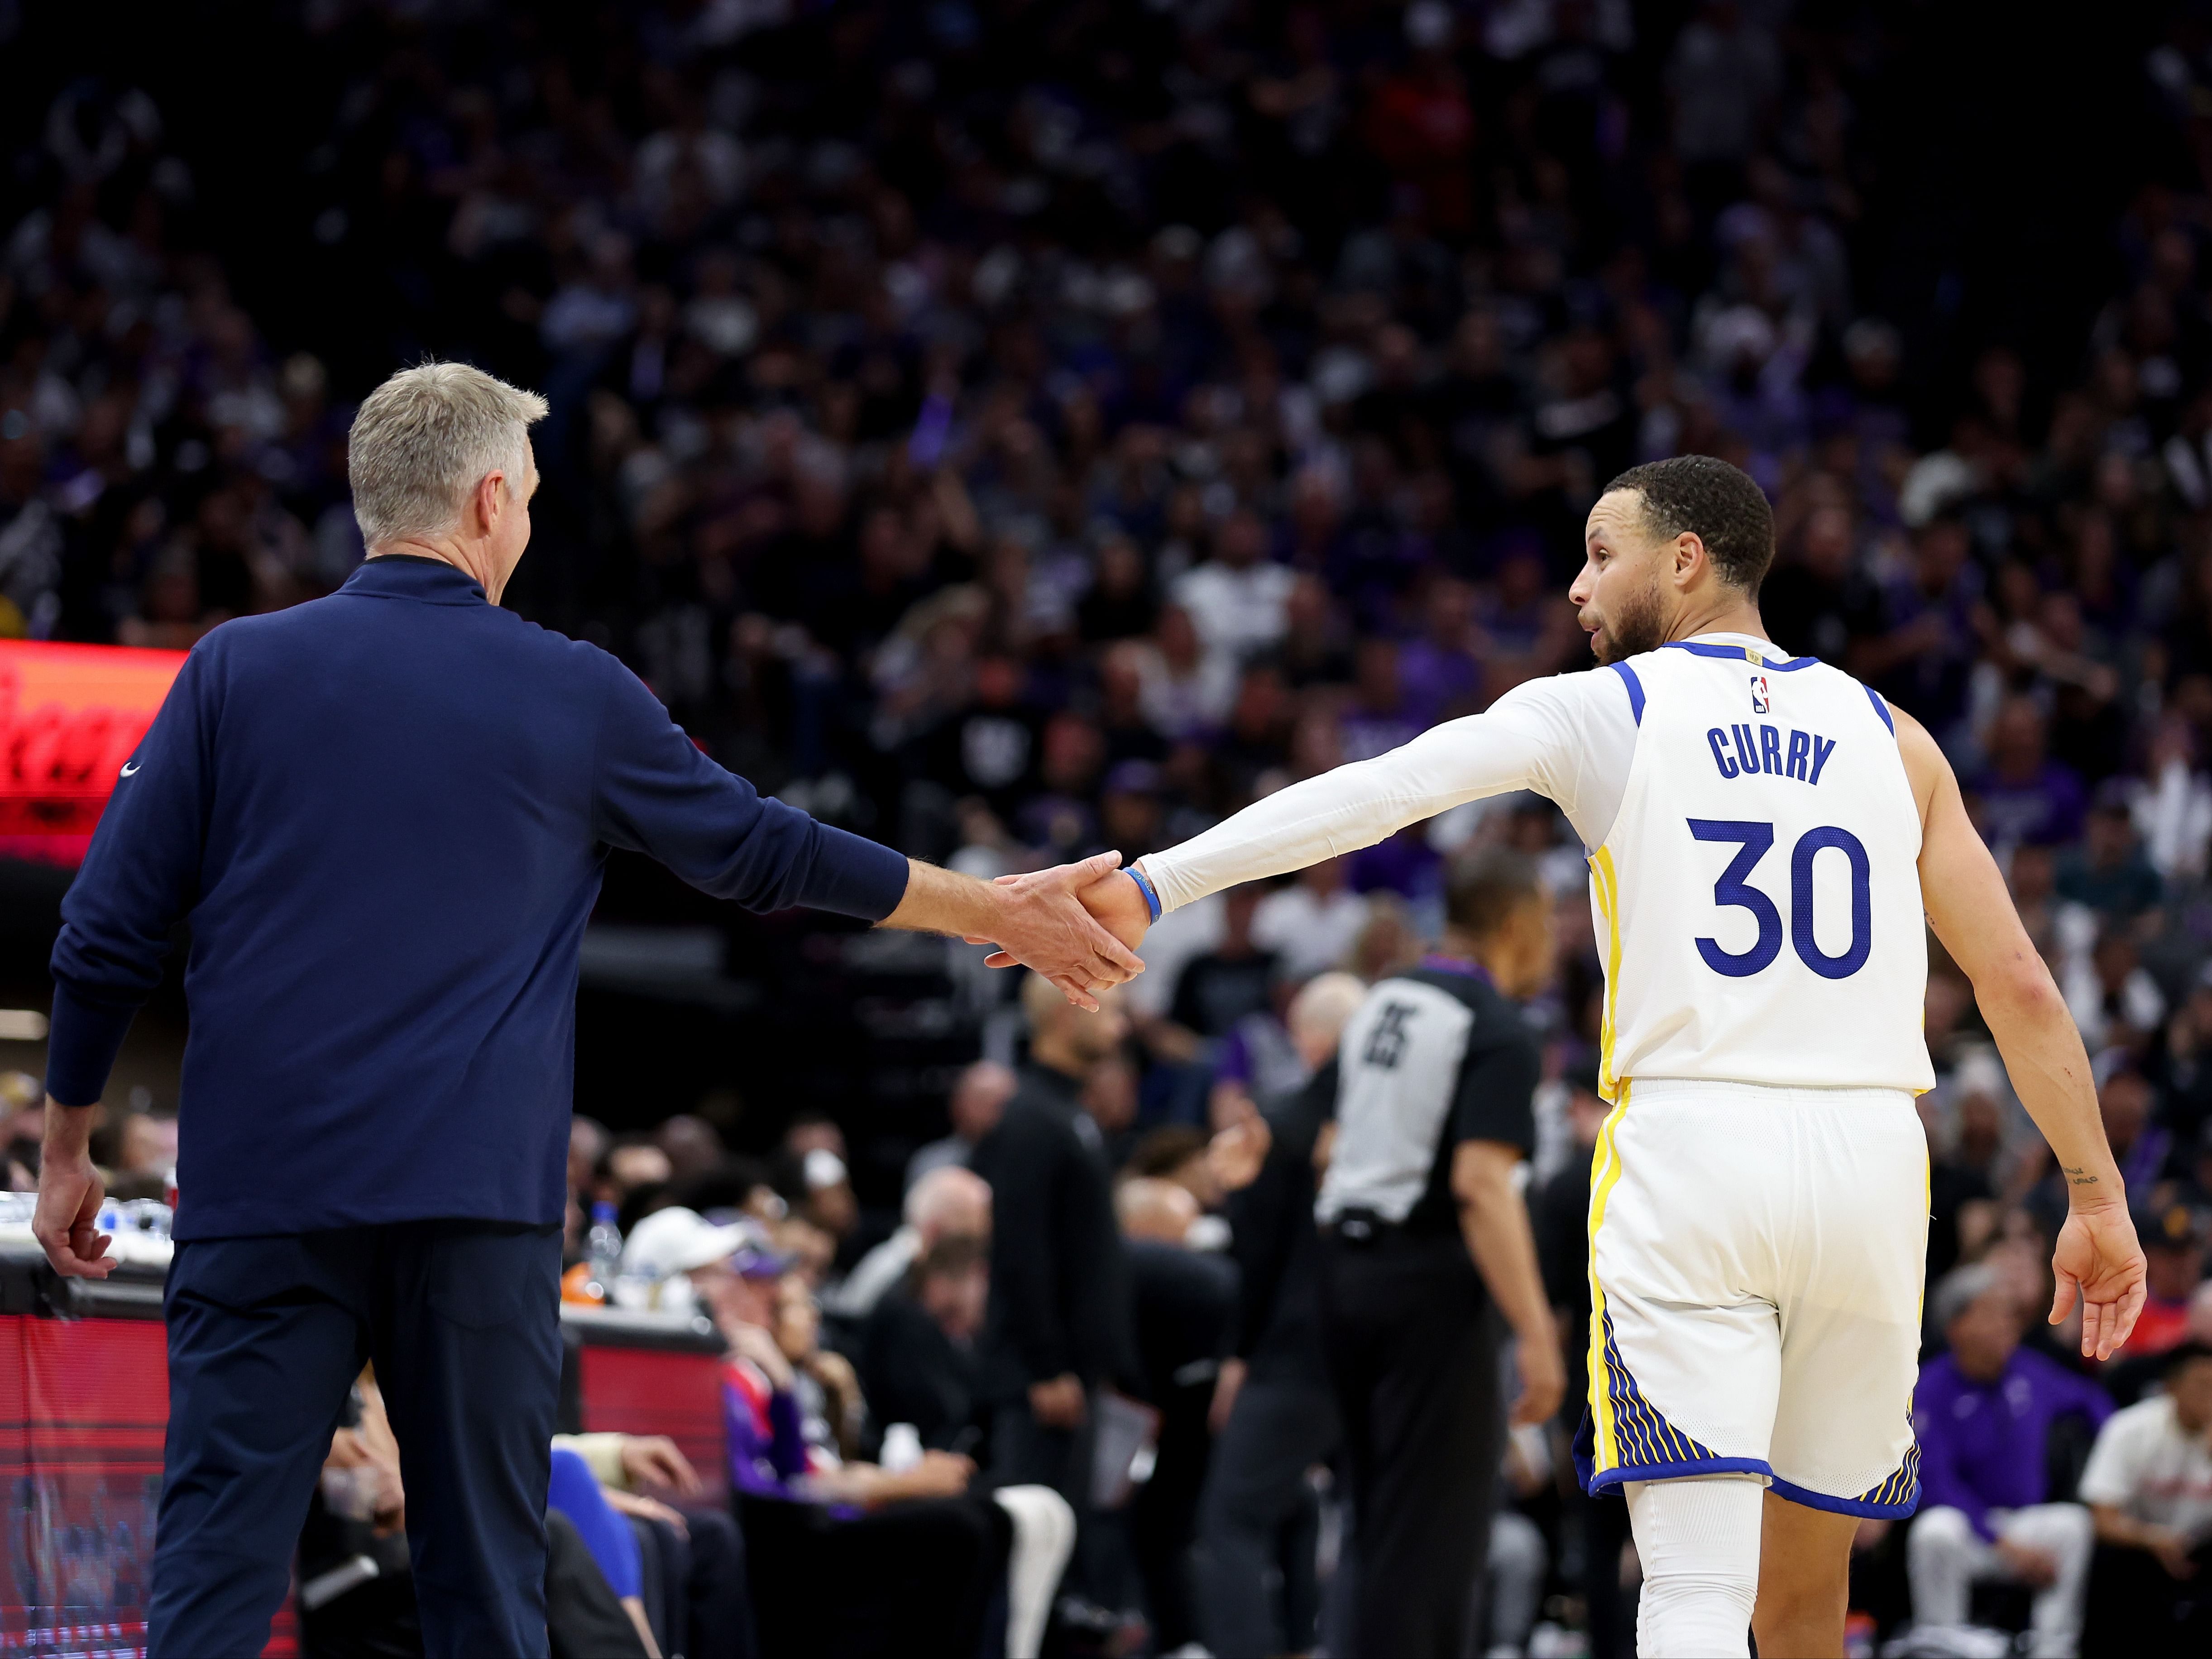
x=1016 y=430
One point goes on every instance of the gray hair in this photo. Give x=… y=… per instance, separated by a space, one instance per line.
x=946 y=1196
x=1325 y=1003
x=1958 y=1290
x=425 y=439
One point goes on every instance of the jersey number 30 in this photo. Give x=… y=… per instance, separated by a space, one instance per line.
x=1735 y=888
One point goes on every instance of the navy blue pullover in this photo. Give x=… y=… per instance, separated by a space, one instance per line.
x=386 y=814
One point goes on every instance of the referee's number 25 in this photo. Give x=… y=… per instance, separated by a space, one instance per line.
x=1734 y=889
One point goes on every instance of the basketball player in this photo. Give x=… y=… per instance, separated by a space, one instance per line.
x=1766 y=835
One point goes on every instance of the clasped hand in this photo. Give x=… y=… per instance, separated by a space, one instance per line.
x=1081 y=953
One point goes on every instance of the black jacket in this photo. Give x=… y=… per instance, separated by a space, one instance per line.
x=1278 y=1329
x=1059 y=1283
x=912 y=1372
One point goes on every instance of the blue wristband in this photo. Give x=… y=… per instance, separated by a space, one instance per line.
x=1145 y=886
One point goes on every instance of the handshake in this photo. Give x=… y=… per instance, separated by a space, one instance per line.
x=1078 y=925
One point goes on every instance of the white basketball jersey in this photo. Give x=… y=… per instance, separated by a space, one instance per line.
x=1757 y=897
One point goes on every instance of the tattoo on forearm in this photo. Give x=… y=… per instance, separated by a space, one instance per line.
x=2075 y=1175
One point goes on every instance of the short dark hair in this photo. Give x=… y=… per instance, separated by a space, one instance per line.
x=1484 y=888
x=1163 y=1151
x=2186 y=1353
x=1722 y=505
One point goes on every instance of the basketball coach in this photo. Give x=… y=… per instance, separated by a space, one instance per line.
x=384 y=815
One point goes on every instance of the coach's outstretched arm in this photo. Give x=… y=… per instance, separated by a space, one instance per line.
x=2097 y=1258
x=657 y=794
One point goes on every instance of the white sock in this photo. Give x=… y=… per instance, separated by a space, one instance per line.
x=1044 y=1537
x=1699 y=1542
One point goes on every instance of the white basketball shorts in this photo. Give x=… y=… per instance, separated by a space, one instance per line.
x=1756 y=1263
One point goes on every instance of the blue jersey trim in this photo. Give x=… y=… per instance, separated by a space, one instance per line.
x=1738 y=653
x=1881 y=709
x=1865 y=1509
x=1600 y=1486
x=1635 y=689
x=1615 y=1478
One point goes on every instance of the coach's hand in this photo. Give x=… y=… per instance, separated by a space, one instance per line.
x=1112 y=898
x=1033 y=920
x=70 y=1191
x=2099 y=1260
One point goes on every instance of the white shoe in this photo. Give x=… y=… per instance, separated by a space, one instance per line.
x=1950 y=1641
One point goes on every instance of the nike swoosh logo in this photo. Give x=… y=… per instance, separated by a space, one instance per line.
x=129 y=766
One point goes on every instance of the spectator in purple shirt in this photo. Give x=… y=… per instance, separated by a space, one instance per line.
x=849 y=1558
x=1983 y=1413
x=843 y=1557
x=1925 y=660
x=1377 y=722
x=1438 y=673
x=2025 y=795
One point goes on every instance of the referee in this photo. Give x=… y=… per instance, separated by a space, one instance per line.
x=384 y=815
x=1423 y=1235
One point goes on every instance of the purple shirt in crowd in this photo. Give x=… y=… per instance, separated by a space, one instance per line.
x=1981 y=1444
x=767 y=1442
x=2047 y=809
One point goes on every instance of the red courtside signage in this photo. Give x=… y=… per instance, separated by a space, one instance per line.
x=69 y=716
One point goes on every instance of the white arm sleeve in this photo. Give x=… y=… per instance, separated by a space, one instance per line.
x=1570 y=737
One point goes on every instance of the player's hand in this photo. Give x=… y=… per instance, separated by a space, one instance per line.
x=654 y=1459
x=1120 y=906
x=1543 y=1381
x=65 y=1222
x=2098 y=1260
x=1042 y=926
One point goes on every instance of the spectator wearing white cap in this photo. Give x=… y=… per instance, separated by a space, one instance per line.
x=849 y=1558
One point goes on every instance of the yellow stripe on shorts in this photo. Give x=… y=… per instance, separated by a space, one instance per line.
x=1605 y=1171
x=1607 y=881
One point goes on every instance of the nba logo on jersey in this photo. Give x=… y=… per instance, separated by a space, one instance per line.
x=1761 y=704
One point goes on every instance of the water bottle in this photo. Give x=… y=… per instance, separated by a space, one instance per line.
x=901 y=1448
x=603 y=1248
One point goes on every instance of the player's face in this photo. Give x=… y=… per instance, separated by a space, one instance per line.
x=1619 y=598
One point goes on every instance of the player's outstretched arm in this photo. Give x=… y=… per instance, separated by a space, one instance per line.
x=2097 y=1257
x=1525 y=740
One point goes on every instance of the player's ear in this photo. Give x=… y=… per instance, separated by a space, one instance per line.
x=1689 y=554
